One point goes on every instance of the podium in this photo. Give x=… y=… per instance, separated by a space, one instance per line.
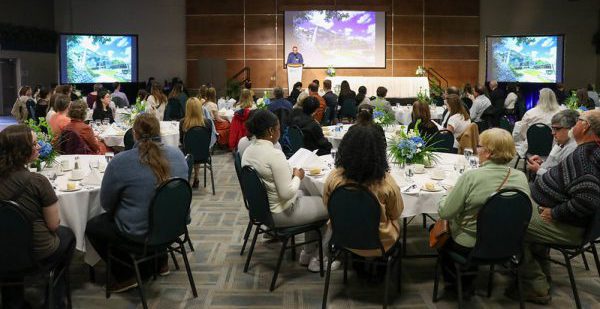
x=294 y=75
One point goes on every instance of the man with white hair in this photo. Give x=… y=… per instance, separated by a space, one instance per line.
x=568 y=198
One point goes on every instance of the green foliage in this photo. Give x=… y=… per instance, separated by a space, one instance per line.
x=45 y=136
x=410 y=147
x=234 y=88
x=382 y=116
x=423 y=97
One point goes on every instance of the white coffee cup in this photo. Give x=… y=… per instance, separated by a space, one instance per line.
x=439 y=174
x=419 y=168
x=76 y=174
x=65 y=164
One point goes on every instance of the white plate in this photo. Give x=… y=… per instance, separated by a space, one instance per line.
x=436 y=189
x=421 y=172
x=77 y=188
x=315 y=175
x=76 y=179
x=437 y=178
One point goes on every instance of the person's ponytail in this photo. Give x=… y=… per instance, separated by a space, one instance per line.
x=147 y=129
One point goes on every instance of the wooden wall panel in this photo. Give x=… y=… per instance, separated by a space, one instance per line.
x=440 y=34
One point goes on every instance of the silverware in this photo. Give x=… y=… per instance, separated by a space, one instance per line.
x=413 y=186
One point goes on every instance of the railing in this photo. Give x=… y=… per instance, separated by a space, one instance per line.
x=435 y=77
x=234 y=85
x=246 y=71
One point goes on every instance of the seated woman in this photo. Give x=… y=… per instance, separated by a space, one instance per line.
x=102 y=109
x=364 y=117
x=59 y=120
x=237 y=129
x=421 y=112
x=194 y=117
x=222 y=125
x=546 y=107
x=313 y=134
x=156 y=103
x=472 y=189
x=52 y=244
x=457 y=120
x=288 y=206
x=362 y=159
x=128 y=187
x=78 y=113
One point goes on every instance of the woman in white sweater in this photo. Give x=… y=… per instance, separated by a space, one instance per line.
x=289 y=206
x=157 y=102
x=547 y=106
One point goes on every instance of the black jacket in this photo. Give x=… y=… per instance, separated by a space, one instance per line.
x=313 y=134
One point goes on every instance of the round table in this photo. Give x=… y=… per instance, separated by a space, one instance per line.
x=113 y=135
x=404 y=113
x=415 y=202
x=77 y=207
x=335 y=137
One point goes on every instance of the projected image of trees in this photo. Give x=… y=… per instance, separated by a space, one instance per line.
x=526 y=59
x=92 y=59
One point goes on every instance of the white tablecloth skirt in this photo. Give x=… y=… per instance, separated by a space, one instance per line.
x=404 y=114
x=398 y=87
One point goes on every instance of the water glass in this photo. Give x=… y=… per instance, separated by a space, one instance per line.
x=333 y=154
x=474 y=162
x=409 y=173
x=98 y=122
x=459 y=167
x=468 y=152
x=105 y=121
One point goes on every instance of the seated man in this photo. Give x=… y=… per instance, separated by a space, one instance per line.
x=568 y=196
x=279 y=101
x=480 y=104
x=313 y=91
x=562 y=122
x=380 y=100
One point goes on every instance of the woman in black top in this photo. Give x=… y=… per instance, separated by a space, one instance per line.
x=41 y=107
x=421 y=112
x=102 y=110
x=295 y=93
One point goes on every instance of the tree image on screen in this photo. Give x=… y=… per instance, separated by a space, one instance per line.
x=524 y=59
x=335 y=38
x=92 y=59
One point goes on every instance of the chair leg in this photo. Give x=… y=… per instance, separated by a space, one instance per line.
x=50 y=289
x=251 y=249
x=212 y=179
x=424 y=221
x=388 y=270
x=404 y=228
x=205 y=175
x=279 y=260
x=490 y=281
x=327 y=276
x=108 y=275
x=517 y=163
x=246 y=235
x=520 y=289
x=459 y=287
x=321 y=273
x=345 y=267
x=293 y=248
x=138 y=277
x=188 y=270
x=92 y=273
x=596 y=259
x=189 y=240
x=585 y=262
x=436 y=280
x=174 y=259
x=572 y=279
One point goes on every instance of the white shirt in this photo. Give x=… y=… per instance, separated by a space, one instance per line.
x=480 y=104
x=594 y=96
x=459 y=124
x=274 y=171
x=511 y=99
x=532 y=116
x=557 y=154
x=152 y=107
x=245 y=142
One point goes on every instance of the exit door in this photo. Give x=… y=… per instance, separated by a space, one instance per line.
x=8 y=84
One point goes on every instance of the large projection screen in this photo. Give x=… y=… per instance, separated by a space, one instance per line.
x=525 y=59
x=342 y=39
x=97 y=58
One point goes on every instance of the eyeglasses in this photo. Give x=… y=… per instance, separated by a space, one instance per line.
x=554 y=129
x=582 y=119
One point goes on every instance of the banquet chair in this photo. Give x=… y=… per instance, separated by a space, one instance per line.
x=569 y=252
x=70 y=142
x=296 y=138
x=443 y=141
x=196 y=141
x=501 y=226
x=237 y=163
x=539 y=141
x=261 y=217
x=128 y=139
x=467 y=103
x=355 y=217
x=168 y=216
x=189 y=159
x=16 y=259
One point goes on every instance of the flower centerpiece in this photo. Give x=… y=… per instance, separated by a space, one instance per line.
x=572 y=103
x=43 y=132
x=422 y=96
x=420 y=71
x=263 y=102
x=137 y=109
x=330 y=71
x=383 y=117
x=412 y=148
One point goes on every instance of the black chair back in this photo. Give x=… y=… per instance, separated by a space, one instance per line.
x=128 y=139
x=501 y=225
x=539 y=139
x=296 y=138
x=256 y=195
x=355 y=215
x=348 y=109
x=16 y=240
x=174 y=110
x=189 y=159
x=119 y=102
x=197 y=142
x=237 y=163
x=467 y=102
x=443 y=141
x=169 y=212
x=482 y=125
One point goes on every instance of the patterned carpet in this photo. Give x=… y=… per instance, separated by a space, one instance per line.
x=217 y=230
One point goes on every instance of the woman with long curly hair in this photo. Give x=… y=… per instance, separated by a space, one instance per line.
x=361 y=159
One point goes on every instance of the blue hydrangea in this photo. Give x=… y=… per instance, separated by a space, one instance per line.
x=45 y=149
x=378 y=114
x=583 y=108
x=417 y=140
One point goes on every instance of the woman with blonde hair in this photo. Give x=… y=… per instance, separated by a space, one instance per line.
x=157 y=102
x=246 y=100
x=457 y=119
x=495 y=151
x=194 y=117
x=221 y=124
x=547 y=106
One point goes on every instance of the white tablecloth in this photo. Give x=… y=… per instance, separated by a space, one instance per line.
x=226 y=114
x=416 y=203
x=404 y=113
x=335 y=137
x=398 y=87
x=113 y=135
x=76 y=208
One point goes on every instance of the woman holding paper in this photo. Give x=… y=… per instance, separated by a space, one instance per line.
x=289 y=207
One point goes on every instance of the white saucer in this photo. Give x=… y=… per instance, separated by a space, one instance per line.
x=77 y=188
x=437 y=189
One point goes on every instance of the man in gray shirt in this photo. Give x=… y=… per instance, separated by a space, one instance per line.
x=561 y=125
x=592 y=94
x=480 y=104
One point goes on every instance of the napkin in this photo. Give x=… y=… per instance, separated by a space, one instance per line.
x=92 y=179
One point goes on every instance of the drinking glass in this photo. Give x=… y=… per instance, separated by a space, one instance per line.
x=474 y=162
x=459 y=167
x=468 y=152
x=98 y=122
x=105 y=121
x=333 y=154
x=409 y=173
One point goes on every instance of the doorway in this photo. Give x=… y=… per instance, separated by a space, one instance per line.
x=8 y=84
